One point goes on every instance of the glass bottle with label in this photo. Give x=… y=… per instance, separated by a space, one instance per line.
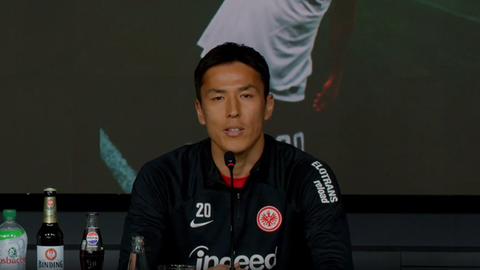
x=138 y=258
x=50 y=236
x=92 y=253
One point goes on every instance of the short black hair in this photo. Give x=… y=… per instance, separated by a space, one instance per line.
x=230 y=52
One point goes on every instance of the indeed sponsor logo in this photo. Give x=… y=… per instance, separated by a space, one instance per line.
x=254 y=262
x=326 y=191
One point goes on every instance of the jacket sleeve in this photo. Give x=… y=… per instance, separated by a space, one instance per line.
x=146 y=217
x=326 y=225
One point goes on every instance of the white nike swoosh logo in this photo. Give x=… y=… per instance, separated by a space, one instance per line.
x=196 y=225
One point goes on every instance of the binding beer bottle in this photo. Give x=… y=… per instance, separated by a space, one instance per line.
x=92 y=253
x=50 y=236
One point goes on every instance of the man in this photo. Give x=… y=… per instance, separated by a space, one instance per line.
x=284 y=32
x=288 y=206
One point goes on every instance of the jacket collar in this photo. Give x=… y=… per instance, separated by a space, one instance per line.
x=212 y=176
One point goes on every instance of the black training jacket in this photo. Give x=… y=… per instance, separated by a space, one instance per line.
x=288 y=215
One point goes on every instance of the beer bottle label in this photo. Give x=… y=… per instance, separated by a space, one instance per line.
x=49 y=257
x=50 y=210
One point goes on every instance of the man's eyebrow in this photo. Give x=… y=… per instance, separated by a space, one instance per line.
x=221 y=91
x=246 y=87
x=215 y=91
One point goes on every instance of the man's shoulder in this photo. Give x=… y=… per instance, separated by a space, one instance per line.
x=304 y=171
x=298 y=165
x=292 y=156
x=170 y=169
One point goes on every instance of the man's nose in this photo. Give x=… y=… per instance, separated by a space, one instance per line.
x=233 y=108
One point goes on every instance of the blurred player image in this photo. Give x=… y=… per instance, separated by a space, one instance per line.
x=284 y=32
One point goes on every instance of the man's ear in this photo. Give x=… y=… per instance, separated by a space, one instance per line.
x=199 y=109
x=269 y=105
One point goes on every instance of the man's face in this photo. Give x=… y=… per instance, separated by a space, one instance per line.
x=233 y=107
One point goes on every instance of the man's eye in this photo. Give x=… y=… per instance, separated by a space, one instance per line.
x=217 y=98
x=246 y=95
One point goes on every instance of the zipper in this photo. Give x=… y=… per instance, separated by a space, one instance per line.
x=238 y=205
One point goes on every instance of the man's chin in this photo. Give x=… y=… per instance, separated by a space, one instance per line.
x=225 y=145
x=237 y=150
x=238 y=146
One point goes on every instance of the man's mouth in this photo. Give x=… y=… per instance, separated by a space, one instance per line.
x=233 y=132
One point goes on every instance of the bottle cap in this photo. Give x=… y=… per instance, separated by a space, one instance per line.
x=9 y=214
x=92 y=214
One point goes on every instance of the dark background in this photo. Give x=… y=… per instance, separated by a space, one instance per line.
x=405 y=121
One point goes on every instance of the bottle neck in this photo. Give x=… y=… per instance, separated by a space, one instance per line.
x=50 y=209
x=9 y=222
x=138 y=246
x=92 y=222
x=137 y=249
